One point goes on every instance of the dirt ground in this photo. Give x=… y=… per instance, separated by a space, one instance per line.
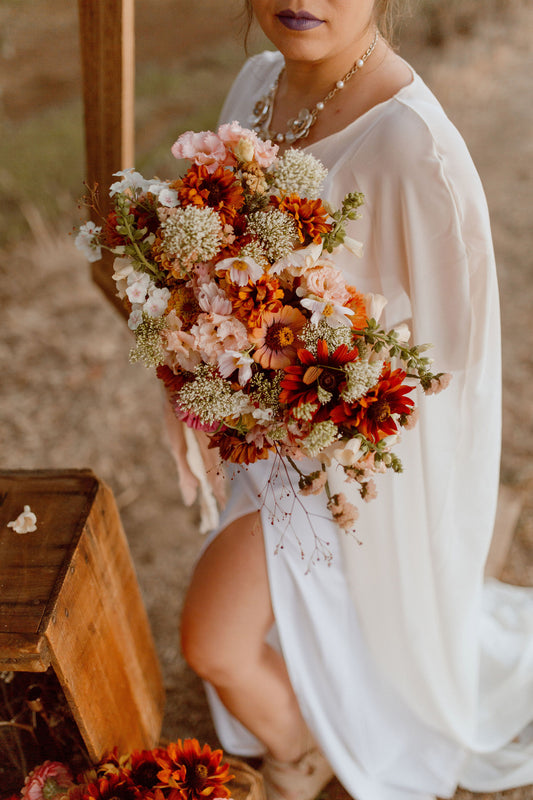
x=69 y=397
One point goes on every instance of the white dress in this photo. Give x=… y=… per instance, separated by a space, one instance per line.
x=411 y=672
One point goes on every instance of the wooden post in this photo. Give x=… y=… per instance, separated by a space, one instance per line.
x=107 y=42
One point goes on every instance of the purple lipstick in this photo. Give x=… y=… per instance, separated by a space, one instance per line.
x=299 y=20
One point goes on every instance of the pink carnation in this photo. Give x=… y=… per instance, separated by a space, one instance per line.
x=327 y=282
x=45 y=778
x=203 y=148
x=215 y=335
x=343 y=512
x=313 y=483
x=369 y=491
x=438 y=384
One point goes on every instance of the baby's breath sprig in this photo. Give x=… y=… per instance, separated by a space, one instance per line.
x=348 y=210
x=148 y=347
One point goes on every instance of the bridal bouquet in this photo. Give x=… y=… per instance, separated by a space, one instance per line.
x=256 y=335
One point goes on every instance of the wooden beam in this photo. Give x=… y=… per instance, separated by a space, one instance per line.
x=107 y=43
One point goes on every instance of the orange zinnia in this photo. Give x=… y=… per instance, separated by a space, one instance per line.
x=309 y=215
x=276 y=339
x=195 y=772
x=357 y=303
x=251 y=301
x=219 y=190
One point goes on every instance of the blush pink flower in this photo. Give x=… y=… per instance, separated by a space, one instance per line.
x=216 y=335
x=213 y=300
x=343 y=512
x=313 y=483
x=327 y=282
x=204 y=148
x=45 y=779
x=438 y=384
x=238 y=139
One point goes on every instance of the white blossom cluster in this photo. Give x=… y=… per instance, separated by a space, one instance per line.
x=361 y=376
x=333 y=337
x=212 y=398
x=300 y=173
x=192 y=234
x=276 y=231
x=322 y=435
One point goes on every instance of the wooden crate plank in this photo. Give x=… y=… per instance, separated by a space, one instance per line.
x=33 y=564
x=23 y=653
x=100 y=641
x=107 y=43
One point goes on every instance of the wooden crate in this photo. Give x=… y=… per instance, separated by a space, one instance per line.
x=69 y=599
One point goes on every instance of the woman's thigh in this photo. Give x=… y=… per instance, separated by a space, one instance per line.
x=228 y=611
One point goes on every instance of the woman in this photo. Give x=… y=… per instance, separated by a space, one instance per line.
x=400 y=668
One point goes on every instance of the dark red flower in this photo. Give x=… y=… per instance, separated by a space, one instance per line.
x=234 y=448
x=116 y=786
x=301 y=381
x=372 y=414
x=196 y=772
x=172 y=381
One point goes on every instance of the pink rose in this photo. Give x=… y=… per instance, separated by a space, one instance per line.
x=203 y=148
x=50 y=776
x=233 y=136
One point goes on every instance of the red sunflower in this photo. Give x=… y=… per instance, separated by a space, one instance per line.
x=195 y=772
x=372 y=415
x=218 y=190
x=145 y=768
x=301 y=381
x=116 y=786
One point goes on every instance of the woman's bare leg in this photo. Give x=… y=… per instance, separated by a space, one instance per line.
x=226 y=616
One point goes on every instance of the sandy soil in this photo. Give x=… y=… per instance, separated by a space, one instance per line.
x=70 y=398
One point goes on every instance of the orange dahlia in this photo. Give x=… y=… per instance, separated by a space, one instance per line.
x=372 y=414
x=309 y=215
x=218 y=190
x=195 y=772
x=236 y=449
x=276 y=339
x=251 y=301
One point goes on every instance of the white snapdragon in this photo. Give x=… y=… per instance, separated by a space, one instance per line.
x=123 y=268
x=137 y=287
x=87 y=241
x=156 y=304
x=349 y=454
x=299 y=261
x=131 y=180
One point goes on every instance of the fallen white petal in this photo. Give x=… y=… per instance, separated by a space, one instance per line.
x=26 y=522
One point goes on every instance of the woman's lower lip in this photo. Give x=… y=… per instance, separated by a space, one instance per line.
x=299 y=23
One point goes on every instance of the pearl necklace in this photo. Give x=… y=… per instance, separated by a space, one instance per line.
x=299 y=127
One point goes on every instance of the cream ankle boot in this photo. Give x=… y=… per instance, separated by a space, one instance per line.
x=302 y=779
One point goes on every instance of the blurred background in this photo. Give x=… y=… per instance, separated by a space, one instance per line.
x=69 y=397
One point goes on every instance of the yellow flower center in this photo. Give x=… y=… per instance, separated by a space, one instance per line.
x=279 y=336
x=328 y=310
x=201 y=770
x=240 y=265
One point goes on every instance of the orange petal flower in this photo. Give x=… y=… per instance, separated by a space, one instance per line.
x=218 y=190
x=277 y=339
x=195 y=772
x=357 y=303
x=234 y=448
x=251 y=301
x=309 y=215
